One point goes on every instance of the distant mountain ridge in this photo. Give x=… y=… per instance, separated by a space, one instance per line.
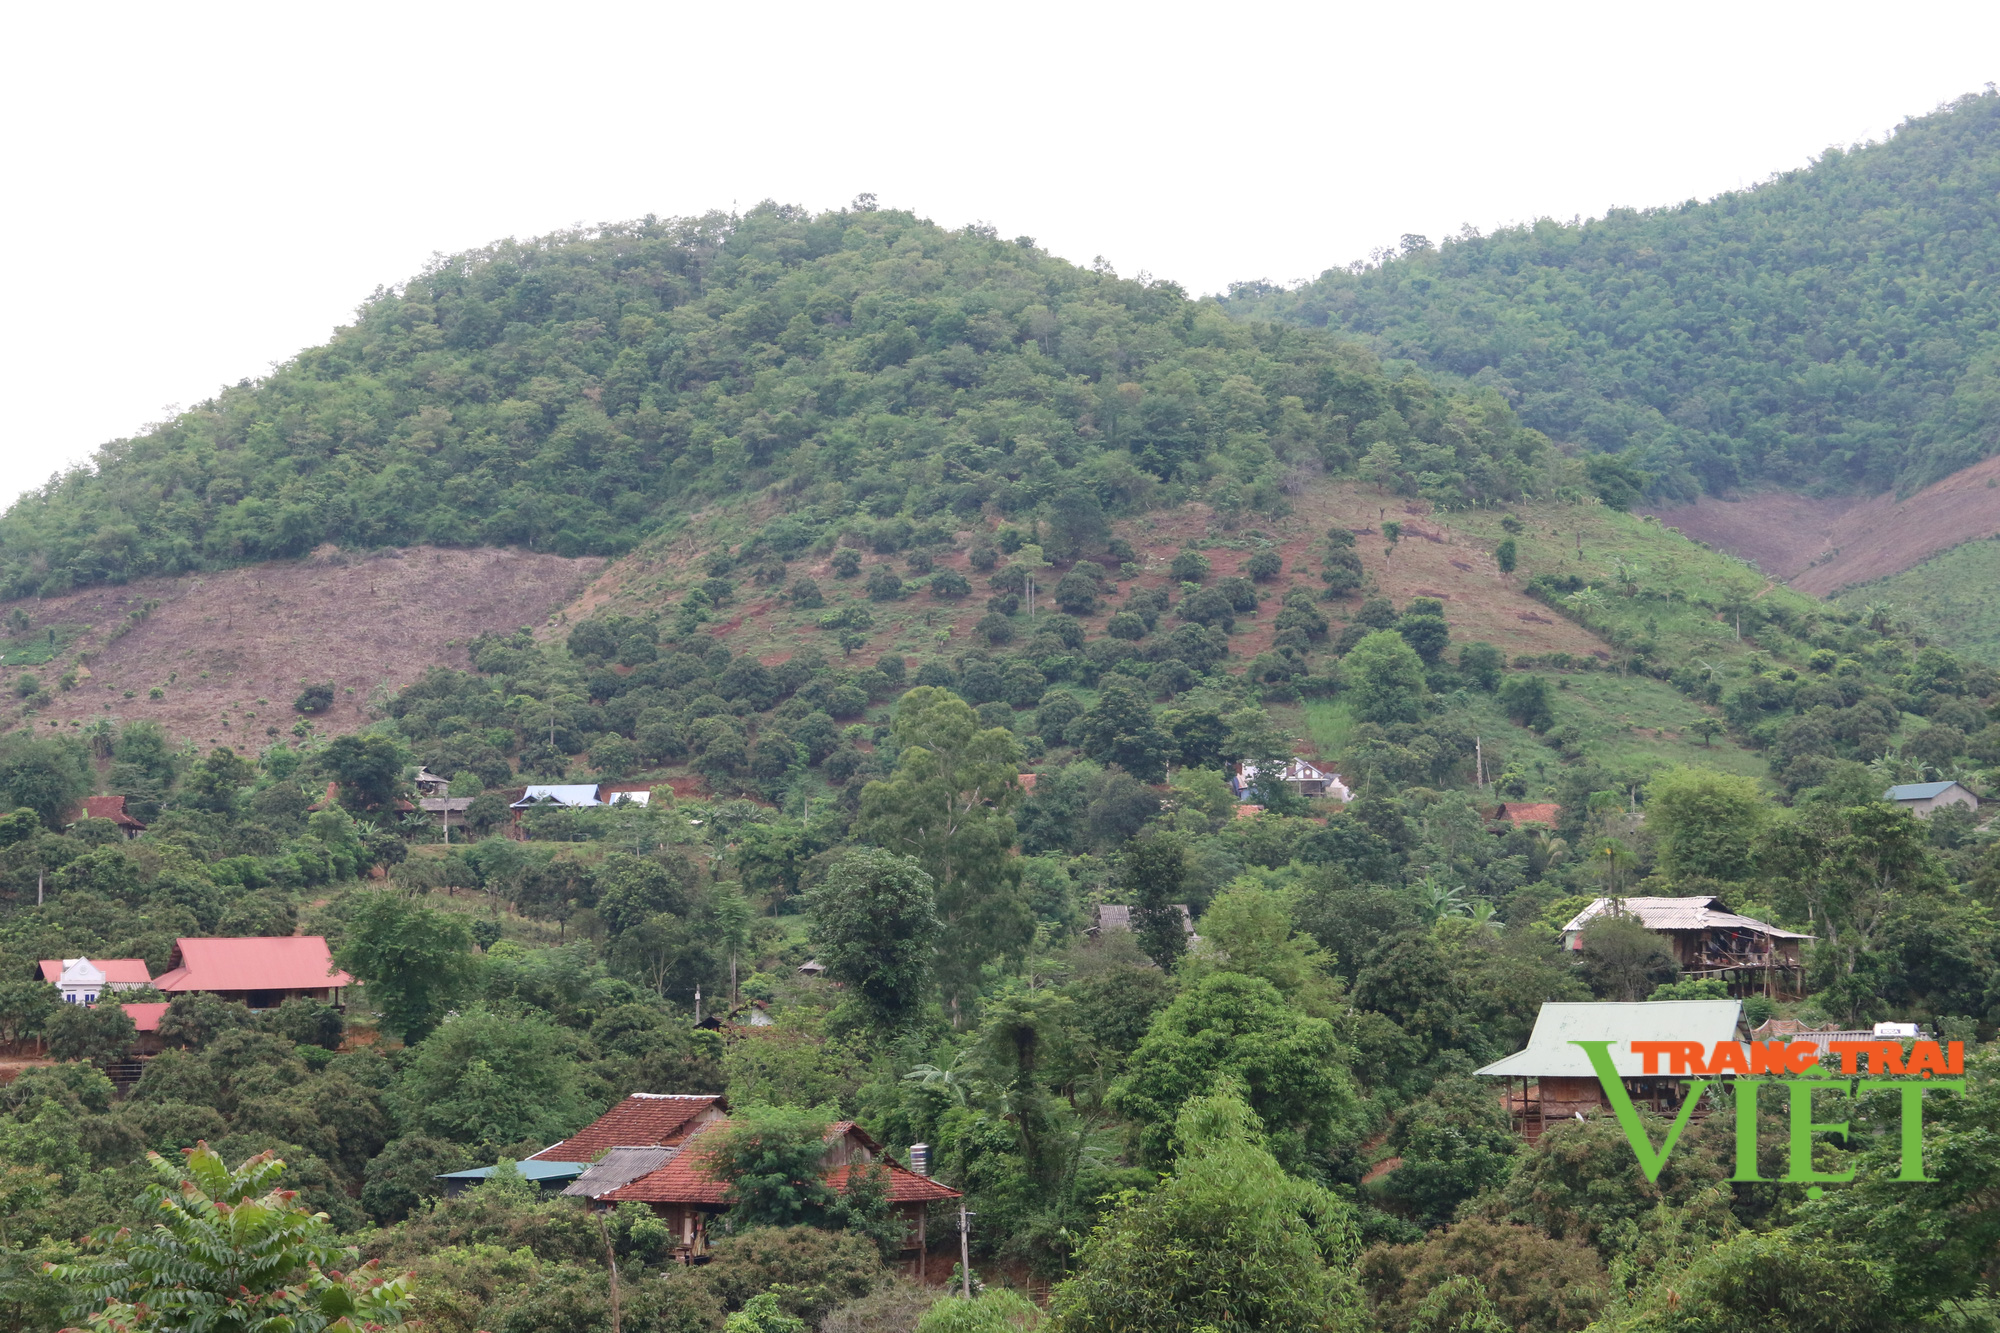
x=1836 y=326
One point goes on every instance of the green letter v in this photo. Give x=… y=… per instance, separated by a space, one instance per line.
x=1650 y=1162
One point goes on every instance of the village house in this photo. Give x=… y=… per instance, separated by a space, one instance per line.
x=687 y=1195
x=1921 y=798
x=644 y=1121
x=1118 y=916
x=1528 y=814
x=262 y=971
x=82 y=980
x=1301 y=775
x=1750 y=956
x=1552 y=1080
x=113 y=809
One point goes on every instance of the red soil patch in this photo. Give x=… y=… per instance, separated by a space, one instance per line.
x=685 y=788
x=1780 y=532
x=217 y=642
x=1822 y=546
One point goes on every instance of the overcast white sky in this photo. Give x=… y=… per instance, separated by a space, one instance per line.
x=202 y=189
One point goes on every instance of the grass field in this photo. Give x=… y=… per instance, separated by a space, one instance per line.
x=1951 y=597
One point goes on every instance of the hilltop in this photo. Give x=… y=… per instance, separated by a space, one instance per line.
x=1832 y=328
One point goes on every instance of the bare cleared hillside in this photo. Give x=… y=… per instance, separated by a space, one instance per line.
x=1820 y=546
x=229 y=651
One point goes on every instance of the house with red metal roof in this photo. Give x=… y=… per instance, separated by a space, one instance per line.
x=263 y=971
x=642 y=1120
x=685 y=1192
x=82 y=980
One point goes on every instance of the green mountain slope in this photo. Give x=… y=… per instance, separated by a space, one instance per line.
x=1836 y=325
x=1949 y=598
x=572 y=393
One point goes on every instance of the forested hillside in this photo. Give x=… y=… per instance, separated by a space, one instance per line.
x=575 y=392
x=956 y=595
x=1835 y=326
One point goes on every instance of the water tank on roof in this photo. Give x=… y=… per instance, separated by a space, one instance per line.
x=920 y=1158
x=1897 y=1030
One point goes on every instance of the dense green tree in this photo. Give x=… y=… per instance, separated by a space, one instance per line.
x=1385 y=679
x=872 y=921
x=488 y=1079
x=1155 y=1263
x=1153 y=880
x=368 y=769
x=101 y=1033
x=48 y=775
x=1231 y=1027
x=1704 y=822
x=946 y=804
x=414 y=961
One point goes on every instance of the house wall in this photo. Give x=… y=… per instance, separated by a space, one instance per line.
x=1954 y=796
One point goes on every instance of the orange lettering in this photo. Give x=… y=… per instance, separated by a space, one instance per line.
x=1767 y=1057
x=1849 y=1053
x=1800 y=1056
x=1954 y=1061
x=1728 y=1059
x=1926 y=1059
x=1687 y=1058
x=1652 y=1051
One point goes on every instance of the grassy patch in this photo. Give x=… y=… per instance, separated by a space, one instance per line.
x=43 y=644
x=1949 y=597
x=1329 y=724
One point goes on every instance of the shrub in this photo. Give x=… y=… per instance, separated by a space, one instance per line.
x=1190 y=567
x=815 y=1270
x=993 y=1311
x=883 y=585
x=1125 y=625
x=950 y=583
x=995 y=628
x=806 y=595
x=1264 y=566
x=314 y=699
x=846 y=562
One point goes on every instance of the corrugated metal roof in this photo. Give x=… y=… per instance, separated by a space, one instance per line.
x=1917 y=791
x=117 y=971
x=1678 y=914
x=1550 y=1055
x=253 y=962
x=620 y=1166
x=571 y=793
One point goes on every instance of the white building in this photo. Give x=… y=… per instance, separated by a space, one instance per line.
x=81 y=980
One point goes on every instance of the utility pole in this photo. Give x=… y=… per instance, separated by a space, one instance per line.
x=1479 y=762
x=697 y=1006
x=965 y=1248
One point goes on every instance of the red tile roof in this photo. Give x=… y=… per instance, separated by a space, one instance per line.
x=642 y=1120
x=1544 y=812
x=686 y=1178
x=256 y=962
x=111 y=808
x=146 y=1017
x=131 y=971
x=905 y=1185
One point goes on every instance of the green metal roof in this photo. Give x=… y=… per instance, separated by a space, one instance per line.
x=530 y=1170
x=1550 y=1055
